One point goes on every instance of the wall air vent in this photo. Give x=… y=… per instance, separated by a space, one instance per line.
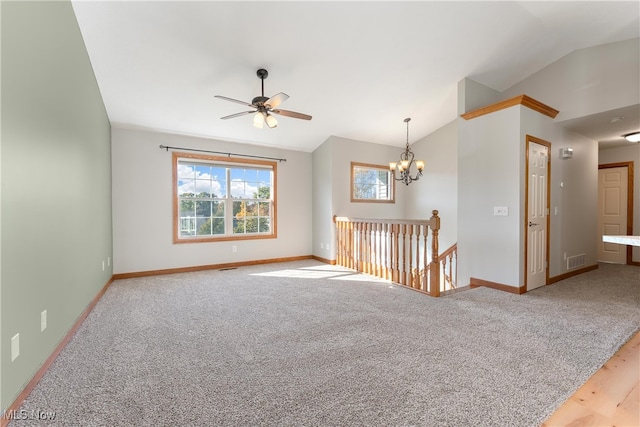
x=575 y=261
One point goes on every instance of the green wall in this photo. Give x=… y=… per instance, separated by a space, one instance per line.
x=55 y=197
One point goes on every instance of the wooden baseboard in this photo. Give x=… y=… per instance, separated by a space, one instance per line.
x=476 y=283
x=326 y=261
x=17 y=403
x=568 y=274
x=120 y=276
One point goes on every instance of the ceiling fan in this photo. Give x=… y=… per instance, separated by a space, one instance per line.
x=265 y=106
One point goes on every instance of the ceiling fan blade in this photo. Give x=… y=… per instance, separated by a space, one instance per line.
x=244 y=113
x=292 y=114
x=276 y=100
x=234 y=100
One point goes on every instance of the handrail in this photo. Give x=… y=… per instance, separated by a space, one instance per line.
x=400 y=250
x=427 y=222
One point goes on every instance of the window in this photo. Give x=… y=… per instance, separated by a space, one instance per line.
x=371 y=183
x=221 y=198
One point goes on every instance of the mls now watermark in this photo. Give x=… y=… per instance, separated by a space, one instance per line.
x=23 y=415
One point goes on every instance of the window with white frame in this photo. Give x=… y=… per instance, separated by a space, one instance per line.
x=371 y=183
x=220 y=198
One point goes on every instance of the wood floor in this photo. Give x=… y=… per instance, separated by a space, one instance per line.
x=611 y=397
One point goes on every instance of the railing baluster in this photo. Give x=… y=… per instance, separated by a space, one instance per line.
x=417 y=268
x=410 y=271
x=443 y=273
x=361 y=247
x=379 y=260
x=369 y=248
x=387 y=251
x=339 y=246
x=403 y=264
x=352 y=248
x=455 y=258
x=396 y=258
x=370 y=253
x=425 y=269
x=359 y=255
x=435 y=266
x=364 y=248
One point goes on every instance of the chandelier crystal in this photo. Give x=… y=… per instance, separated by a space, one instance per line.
x=402 y=168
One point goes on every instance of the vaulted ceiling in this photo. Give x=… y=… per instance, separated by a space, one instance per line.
x=359 y=68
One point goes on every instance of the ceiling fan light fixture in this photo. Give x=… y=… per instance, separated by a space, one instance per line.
x=271 y=121
x=258 y=120
x=633 y=137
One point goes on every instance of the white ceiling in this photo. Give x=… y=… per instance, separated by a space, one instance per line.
x=359 y=68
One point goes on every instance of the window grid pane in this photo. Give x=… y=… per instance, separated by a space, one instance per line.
x=371 y=183
x=202 y=194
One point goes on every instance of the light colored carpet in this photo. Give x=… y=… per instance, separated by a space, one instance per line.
x=308 y=344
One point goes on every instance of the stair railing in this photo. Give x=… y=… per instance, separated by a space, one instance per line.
x=402 y=251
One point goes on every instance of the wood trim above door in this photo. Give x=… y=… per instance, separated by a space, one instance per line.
x=630 y=174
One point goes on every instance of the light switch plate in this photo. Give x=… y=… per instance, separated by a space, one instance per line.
x=43 y=320
x=15 y=347
x=500 y=211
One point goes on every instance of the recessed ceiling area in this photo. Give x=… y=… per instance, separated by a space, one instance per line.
x=609 y=127
x=359 y=68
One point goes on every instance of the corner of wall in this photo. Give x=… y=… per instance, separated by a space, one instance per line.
x=473 y=95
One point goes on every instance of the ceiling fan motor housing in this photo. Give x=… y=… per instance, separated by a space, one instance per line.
x=259 y=100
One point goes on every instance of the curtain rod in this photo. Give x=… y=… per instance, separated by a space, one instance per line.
x=167 y=148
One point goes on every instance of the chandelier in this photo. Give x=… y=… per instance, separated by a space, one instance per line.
x=402 y=168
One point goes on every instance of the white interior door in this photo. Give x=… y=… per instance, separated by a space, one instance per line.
x=538 y=167
x=612 y=213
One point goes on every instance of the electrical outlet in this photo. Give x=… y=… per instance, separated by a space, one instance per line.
x=43 y=321
x=108 y=261
x=234 y=248
x=15 y=347
x=321 y=245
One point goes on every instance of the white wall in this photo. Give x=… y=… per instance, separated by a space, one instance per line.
x=142 y=205
x=323 y=226
x=573 y=229
x=473 y=95
x=587 y=81
x=336 y=155
x=438 y=187
x=492 y=165
x=630 y=153
x=489 y=157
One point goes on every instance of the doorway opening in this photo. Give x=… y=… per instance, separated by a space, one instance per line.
x=536 y=236
x=615 y=210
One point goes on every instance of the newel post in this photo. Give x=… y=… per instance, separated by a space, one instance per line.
x=434 y=265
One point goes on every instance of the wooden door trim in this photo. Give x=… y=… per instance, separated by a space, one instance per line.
x=630 y=172
x=529 y=139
